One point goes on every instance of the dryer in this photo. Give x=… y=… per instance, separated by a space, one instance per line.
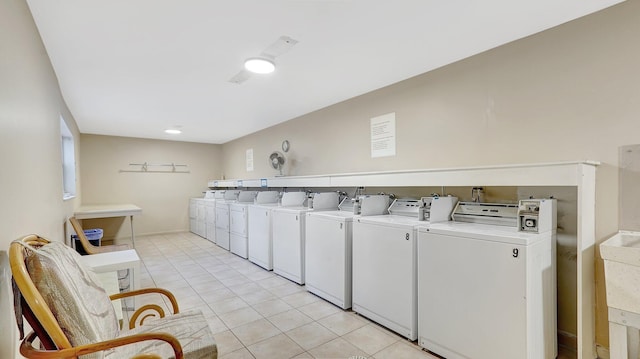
x=260 y=228
x=328 y=247
x=384 y=262
x=197 y=221
x=210 y=213
x=193 y=215
x=289 y=236
x=238 y=218
x=487 y=282
x=222 y=217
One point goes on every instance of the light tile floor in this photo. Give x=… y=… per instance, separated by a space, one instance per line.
x=254 y=313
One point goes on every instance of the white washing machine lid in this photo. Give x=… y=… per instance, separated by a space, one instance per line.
x=393 y=221
x=293 y=198
x=267 y=197
x=488 y=232
x=343 y=216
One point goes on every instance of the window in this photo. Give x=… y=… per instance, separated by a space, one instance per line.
x=68 y=161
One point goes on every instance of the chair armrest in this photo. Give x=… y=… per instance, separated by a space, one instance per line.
x=134 y=318
x=131 y=293
x=29 y=351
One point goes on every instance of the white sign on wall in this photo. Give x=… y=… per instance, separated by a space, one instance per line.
x=383 y=135
x=249 y=160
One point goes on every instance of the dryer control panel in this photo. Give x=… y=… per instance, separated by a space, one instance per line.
x=437 y=209
x=408 y=207
x=537 y=215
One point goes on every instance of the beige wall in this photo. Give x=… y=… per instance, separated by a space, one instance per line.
x=30 y=147
x=572 y=91
x=163 y=197
x=569 y=93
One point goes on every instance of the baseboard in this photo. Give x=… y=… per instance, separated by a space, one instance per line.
x=157 y=233
x=128 y=237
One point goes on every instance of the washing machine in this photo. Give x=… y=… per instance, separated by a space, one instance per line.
x=260 y=242
x=384 y=262
x=328 y=246
x=487 y=282
x=197 y=223
x=210 y=198
x=238 y=218
x=222 y=217
x=193 y=215
x=288 y=230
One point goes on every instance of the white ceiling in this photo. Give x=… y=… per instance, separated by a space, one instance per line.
x=136 y=67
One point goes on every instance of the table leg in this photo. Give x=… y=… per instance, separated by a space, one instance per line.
x=617 y=340
x=633 y=341
x=133 y=239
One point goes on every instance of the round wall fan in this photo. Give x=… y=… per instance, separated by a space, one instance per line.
x=277 y=161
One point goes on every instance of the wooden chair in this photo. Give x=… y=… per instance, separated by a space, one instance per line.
x=90 y=248
x=71 y=315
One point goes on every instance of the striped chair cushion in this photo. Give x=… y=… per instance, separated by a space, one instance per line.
x=74 y=295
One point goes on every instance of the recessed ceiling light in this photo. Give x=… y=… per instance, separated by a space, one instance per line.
x=172 y=131
x=259 y=65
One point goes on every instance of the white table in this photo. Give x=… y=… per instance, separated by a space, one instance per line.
x=115 y=261
x=91 y=211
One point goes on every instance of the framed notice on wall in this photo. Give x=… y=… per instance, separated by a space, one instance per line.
x=249 y=160
x=383 y=135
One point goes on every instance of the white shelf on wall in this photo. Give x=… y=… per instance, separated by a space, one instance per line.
x=246 y=183
x=300 y=181
x=222 y=183
x=546 y=174
x=249 y=183
x=580 y=174
x=540 y=174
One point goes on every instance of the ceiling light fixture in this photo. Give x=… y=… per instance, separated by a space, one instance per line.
x=259 y=65
x=172 y=131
